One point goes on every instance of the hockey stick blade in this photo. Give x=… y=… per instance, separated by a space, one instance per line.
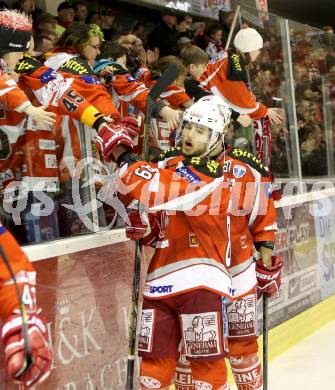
x=167 y=78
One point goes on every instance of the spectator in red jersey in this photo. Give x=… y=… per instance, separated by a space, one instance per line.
x=83 y=40
x=114 y=52
x=175 y=94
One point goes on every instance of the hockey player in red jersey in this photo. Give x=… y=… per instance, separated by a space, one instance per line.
x=250 y=228
x=248 y=231
x=225 y=75
x=187 y=276
x=248 y=282
x=21 y=369
x=183 y=230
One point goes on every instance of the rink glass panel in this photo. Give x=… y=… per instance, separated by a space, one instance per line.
x=269 y=80
x=295 y=71
x=313 y=58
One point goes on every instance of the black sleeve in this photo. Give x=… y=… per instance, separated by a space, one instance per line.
x=28 y=65
x=157 y=107
x=193 y=89
x=127 y=158
x=236 y=67
x=249 y=159
x=265 y=244
x=234 y=114
x=77 y=66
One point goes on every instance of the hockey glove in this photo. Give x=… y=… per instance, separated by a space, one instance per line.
x=269 y=279
x=27 y=375
x=131 y=126
x=111 y=136
x=138 y=229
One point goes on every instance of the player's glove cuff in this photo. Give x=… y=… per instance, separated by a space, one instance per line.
x=110 y=137
x=269 y=278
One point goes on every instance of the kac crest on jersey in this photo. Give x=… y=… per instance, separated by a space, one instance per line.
x=239 y=171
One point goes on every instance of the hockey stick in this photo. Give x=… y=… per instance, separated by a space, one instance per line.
x=26 y=342
x=232 y=28
x=167 y=78
x=265 y=341
x=163 y=82
x=266 y=159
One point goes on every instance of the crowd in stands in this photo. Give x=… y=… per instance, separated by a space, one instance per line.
x=313 y=57
x=140 y=47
